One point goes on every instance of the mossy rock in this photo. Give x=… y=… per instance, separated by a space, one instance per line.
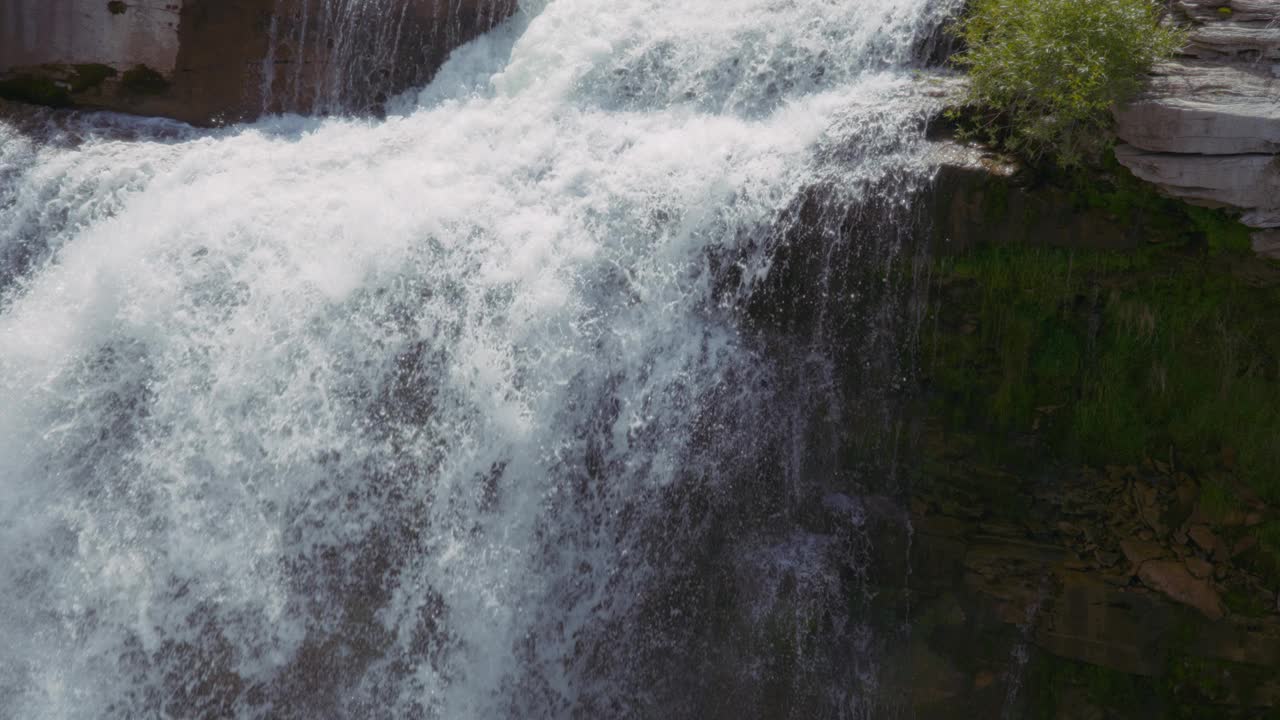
x=89 y=76
x=142 y=80
x=35 y=89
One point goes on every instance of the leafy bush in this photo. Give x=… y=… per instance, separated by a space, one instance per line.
x=1044 y=74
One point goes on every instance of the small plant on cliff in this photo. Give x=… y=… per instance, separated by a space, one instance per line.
x=1044 y=74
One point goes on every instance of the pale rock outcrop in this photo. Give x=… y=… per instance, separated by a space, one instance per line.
x=1200 y=107
x=1238 y=10
x=1206 y=129
x=1267 y=244
x=1232 y=181
x=1228 y=39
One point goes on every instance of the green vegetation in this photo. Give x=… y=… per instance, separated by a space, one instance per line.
x=35 y=89
x=1115 y=357
x=90 y=75
x=142 y=80
x=1189 y=688
x=1112 y=188
x=1164 y=353
x=1063 y=683
x=1044 y=74
x=54 y=85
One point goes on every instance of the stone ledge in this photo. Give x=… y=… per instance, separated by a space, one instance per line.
x=1200 y=107
x=1225 y=181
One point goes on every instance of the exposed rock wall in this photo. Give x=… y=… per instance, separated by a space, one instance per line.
x=36 y=32
x=214 y=61
x=1207 y=128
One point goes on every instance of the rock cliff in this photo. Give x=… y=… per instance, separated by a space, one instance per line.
x=1207 y=128
x=214 y=61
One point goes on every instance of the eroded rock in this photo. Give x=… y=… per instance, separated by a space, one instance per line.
x=1172 y=578
x=1198 y=567
x=1193 y=106
x=1139 y=551
x=1239 y=10
x=1239 y=181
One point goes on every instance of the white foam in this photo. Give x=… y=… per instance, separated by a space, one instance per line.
x=231 y=344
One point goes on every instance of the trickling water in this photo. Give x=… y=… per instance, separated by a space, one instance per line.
x=523 y=402
x=336 y=56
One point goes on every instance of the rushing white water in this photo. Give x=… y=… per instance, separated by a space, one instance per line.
x=423 y=417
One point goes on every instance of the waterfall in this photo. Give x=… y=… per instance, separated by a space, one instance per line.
x=337 y=56
x=542 y=396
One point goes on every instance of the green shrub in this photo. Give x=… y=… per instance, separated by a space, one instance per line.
x=1044 y=74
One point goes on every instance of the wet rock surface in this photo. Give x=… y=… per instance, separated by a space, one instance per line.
x=209 y=62
x=1065 y=571
x=1058 y=586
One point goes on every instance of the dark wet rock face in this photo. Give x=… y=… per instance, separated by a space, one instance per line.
x=217 y=61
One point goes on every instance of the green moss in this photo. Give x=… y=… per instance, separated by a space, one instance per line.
x=1115 y=190
x=1217 y=501
x=1198 y=688
x=142 y=80
x=1245 y=604
x=1222 y=232
x=89 y=76
x=1055 y=684
x=1109 y=358
x=35 y=89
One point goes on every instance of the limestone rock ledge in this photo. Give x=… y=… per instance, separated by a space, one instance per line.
x=1207 y=127
x=1206 y=107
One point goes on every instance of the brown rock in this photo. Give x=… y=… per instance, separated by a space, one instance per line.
x=1229 y=456
x=1138 y=551
x=1202 y=536
x=1244 y=545
x=1106 y=559
x=984 y=679
x=1172 y=578
x=1075 y=563
x=1199 y=568
x=1187 y=492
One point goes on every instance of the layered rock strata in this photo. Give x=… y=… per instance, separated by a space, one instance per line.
x=1207 y=127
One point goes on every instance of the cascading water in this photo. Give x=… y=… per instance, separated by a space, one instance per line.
x=521 y=402
x=338 y=56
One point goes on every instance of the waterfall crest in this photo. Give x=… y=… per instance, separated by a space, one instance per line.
x=450 y=414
